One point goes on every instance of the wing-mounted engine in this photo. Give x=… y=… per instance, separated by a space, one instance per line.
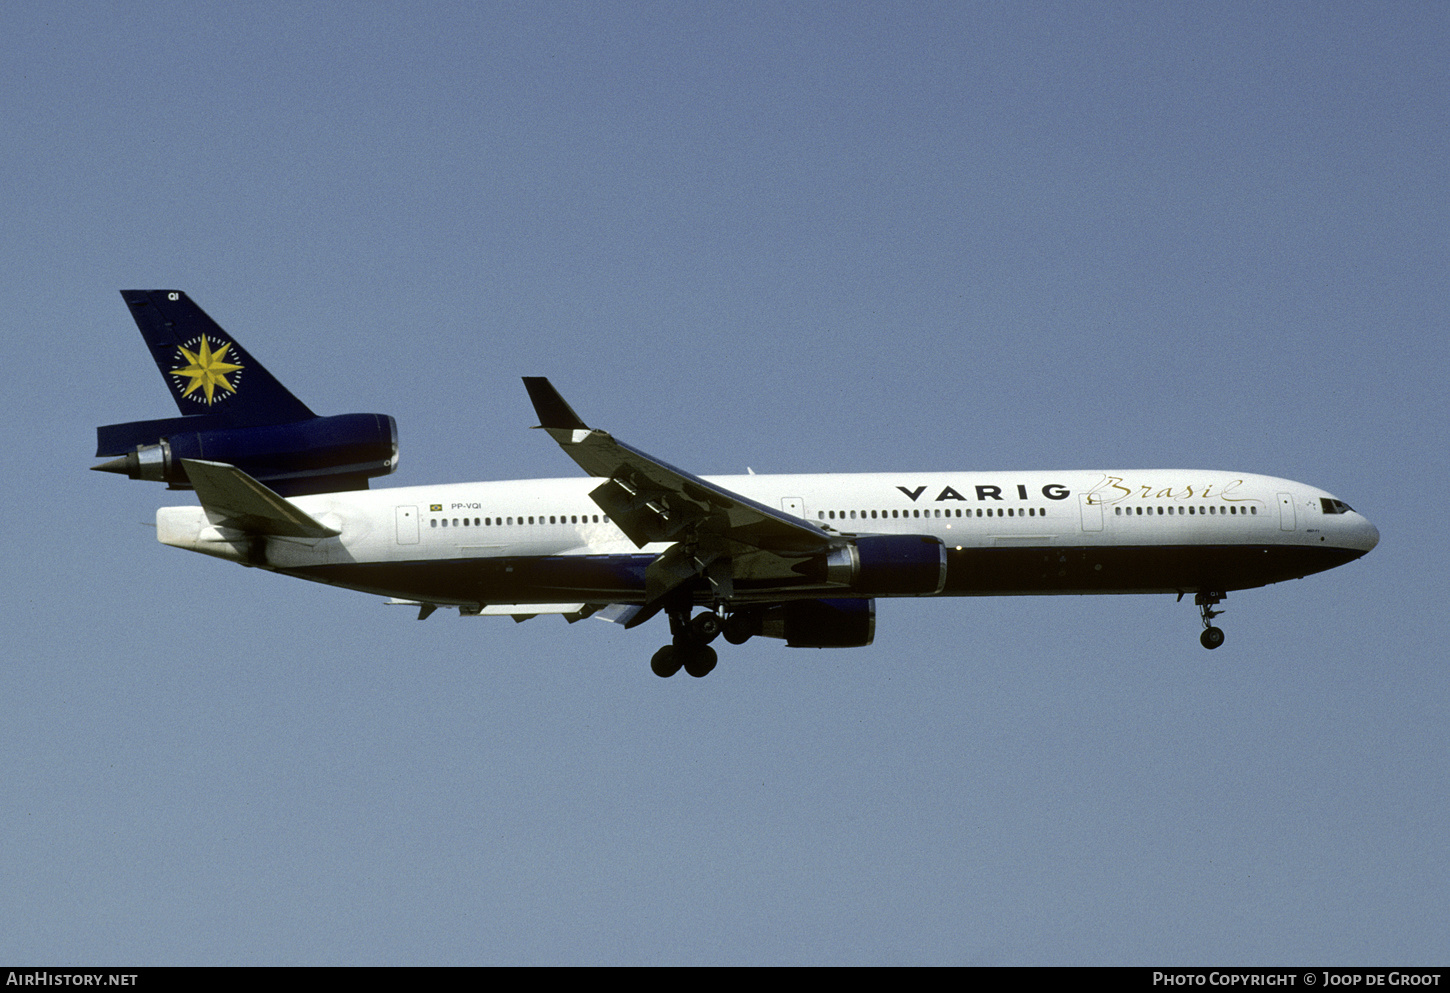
x=871 y=565
x=889 y=565
x=807 y=623
x=733 y=551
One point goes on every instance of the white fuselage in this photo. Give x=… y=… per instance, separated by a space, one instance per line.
x=1004 y=531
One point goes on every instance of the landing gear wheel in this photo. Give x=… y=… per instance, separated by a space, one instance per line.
x=701 y=661
x=737 y=629
x=704 y=628
x=1212 y=637
x=690 y=648
x=667 y=661
x=740 y=626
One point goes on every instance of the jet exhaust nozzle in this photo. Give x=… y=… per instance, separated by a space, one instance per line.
x=146 y=462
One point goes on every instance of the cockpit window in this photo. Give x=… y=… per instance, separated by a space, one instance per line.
x=1332 y=506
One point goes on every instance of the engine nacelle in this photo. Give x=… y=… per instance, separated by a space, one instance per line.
x=889 y=565
x=807 y=623
x=320 y=455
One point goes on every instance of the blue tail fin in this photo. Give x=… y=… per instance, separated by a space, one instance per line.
x=205 y=369
x=235 y=412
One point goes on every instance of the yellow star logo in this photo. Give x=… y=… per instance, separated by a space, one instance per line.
x=206 y=370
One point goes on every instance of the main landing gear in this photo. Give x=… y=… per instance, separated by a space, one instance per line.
x=690 y=650
x=1212 y=637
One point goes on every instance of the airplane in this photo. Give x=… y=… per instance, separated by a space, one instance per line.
x=802 y=558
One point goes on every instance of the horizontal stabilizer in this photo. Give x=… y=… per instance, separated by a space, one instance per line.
x=234 y=499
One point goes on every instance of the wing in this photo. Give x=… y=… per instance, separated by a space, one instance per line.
x=650 y=500
x=520 y=612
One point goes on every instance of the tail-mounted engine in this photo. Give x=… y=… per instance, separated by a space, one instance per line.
x=235 y=411
x=320 y=455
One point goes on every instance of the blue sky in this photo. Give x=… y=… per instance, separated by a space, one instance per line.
x=786 y=236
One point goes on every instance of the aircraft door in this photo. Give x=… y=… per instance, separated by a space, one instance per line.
x=793 y=505
x=407 y=525
x=1286 y=512
x=1092 y=513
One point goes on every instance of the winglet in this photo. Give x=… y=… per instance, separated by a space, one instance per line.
x=553 y=410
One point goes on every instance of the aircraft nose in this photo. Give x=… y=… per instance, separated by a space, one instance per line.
x=1366 y=536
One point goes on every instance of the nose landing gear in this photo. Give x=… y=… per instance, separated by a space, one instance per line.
x=1212 y=637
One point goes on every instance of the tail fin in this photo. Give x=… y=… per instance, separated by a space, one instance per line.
x=205 y=369
x=234 y=412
